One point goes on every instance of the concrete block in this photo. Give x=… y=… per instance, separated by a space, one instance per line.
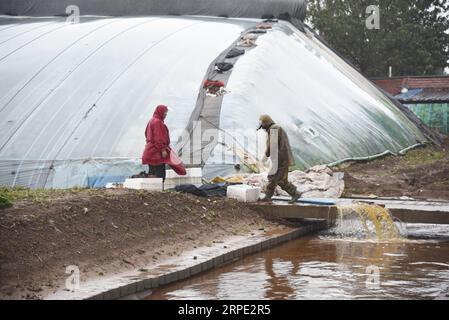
x=265 y=244
x=255 y=248
x=209 y=264
x=171 y=277
x=99 y=296
x=184 y=274
x=142 y=295
x=140 y=286
x=112 y=294
x=218 y=261
x=128 y=289
x=283 y=238
x=150 y=284
x=227 y=257
x=150 y=184
x=162 y=280
x=244 y=193
x=195 y=269
x=238 y=253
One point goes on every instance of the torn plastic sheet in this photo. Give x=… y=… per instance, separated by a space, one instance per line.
x=329 y=110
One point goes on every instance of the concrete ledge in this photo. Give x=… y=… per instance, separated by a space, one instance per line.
x=420 y=216
x=426 y=214
x=129 y=285
x=285 y=211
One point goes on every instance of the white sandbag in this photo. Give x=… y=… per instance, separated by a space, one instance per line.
x=317 y=182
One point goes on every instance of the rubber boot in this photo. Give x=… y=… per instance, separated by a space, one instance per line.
x=295 y=198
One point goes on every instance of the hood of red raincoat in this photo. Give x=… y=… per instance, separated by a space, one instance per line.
x=160 y=111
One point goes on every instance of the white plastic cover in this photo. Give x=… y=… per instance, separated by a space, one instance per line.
x=76 y=92
x=75 y=99
x=328 y=109
x=296 y=9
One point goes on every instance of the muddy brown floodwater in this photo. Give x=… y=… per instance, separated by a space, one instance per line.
x=330 y=267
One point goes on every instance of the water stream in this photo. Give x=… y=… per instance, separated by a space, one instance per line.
x=366 y=256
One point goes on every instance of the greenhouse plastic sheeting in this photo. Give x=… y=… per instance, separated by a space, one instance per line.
x=75 y=98
x=328 y=109
x=76 y=94
x=435 y=115
x=230 y=8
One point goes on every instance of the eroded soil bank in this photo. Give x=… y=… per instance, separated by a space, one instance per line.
x=106 y=232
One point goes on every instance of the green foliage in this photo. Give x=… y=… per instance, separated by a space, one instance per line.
x=35 y=195
x=412 y=38
x=5 y=202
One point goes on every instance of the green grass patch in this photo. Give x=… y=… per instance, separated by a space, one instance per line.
x=423 y=156
x=5 y=202
x=13 y=194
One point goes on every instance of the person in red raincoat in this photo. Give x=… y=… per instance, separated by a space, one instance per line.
x=157 y=150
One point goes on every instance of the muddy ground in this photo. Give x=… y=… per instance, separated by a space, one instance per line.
x=106 y=232
x=422 y=173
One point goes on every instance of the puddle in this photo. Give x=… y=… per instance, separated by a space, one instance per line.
x=327 y=266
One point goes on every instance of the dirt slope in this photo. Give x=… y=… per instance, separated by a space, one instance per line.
x=105 y=231
x=422 y=174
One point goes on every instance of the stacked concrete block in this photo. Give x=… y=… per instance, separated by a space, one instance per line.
x=193 y=176
x=149 y=184
x=244 y=193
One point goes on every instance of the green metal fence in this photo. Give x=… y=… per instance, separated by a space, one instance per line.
x=435 y=115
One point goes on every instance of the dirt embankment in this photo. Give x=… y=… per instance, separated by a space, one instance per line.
x=106 y=232
x=422 y=173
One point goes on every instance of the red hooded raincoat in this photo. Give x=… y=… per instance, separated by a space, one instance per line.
x=158 y=140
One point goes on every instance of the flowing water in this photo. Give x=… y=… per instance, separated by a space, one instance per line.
x=366 y=221
x=366 y=256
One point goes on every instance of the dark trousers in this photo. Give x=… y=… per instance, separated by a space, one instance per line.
x=280 y=178
x=158 y=171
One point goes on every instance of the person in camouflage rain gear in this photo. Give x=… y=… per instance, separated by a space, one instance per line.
x=283 y=161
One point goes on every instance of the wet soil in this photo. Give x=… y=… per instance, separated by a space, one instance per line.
x=422 y=173
x=107 y=231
